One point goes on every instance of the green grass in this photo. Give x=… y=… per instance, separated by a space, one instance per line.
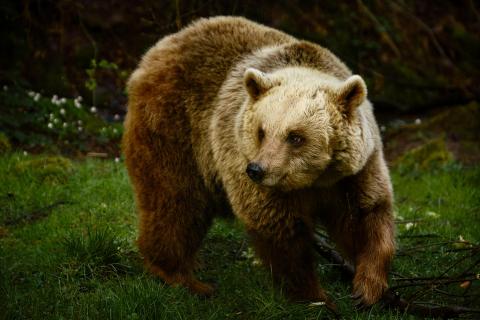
x=67 y=248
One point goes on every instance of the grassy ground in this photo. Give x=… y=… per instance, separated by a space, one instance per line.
x=67 y=248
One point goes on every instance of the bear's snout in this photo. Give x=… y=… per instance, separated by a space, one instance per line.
x=255 y=172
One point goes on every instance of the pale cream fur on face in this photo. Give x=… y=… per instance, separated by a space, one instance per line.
x=294 y=99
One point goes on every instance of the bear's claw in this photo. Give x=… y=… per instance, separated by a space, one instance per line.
x=367 y=291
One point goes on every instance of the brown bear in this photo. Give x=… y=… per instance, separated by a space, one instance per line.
x=230 y=115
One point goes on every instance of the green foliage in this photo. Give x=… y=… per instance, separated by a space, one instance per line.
x=5 y=145
x=35 y=122
x=91 y=82
x=95 y=253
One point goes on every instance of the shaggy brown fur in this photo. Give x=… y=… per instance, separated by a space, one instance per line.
x=225 y=92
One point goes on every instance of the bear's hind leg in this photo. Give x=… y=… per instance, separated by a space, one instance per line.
x=169 y=244
x=173 y=202
x=367 y=239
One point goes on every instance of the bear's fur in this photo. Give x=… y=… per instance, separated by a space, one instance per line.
x=226 y=94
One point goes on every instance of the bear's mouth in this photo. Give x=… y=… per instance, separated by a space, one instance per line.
x=273 y=181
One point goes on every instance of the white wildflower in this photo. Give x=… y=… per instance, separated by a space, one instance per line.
x=79 y=122
x=93 y=109
x=62 y=111
x=5 y=88
x=25 y=153
x=50 y=125
x=115 y=130
x=116 y=117
x=418 y=121
x=383 y=128
x=31 y=93
x=56 y=121
x=117 y=159
x=256 y=262
x=80 y=129
x=36 y=97
x=316 y=304
x=409 y=225
x=51 y=116
x=79 y=98
x=248 y=254
x=65 y=124
x=431 y=214
x=77 y=103
x=63 y=100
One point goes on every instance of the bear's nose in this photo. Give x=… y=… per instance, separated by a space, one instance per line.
x=255 y=172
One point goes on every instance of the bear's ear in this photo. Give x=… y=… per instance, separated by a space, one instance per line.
x=256 y=82
x=352 y=94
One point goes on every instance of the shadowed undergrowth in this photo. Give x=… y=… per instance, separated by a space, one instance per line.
x=80 y=260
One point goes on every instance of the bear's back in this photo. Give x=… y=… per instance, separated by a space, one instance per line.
x=196 y=60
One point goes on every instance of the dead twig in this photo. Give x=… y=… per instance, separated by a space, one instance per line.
x=420 y=235
x=431 y=283
x=97 y=154
x=430 y=245
x=392 y=298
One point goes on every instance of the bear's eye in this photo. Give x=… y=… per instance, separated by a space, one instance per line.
x=261 y=134
x=295 y=139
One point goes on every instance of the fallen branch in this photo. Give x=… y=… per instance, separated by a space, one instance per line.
x=417 y=283
x=391 y=298
x=97 y=154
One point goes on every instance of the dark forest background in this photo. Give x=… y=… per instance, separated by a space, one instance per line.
x=419 y=58
x=415 y=55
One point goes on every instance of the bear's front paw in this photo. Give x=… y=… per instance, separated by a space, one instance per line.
x=367 y=290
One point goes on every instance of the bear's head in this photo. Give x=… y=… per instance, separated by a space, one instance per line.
x=299 y=127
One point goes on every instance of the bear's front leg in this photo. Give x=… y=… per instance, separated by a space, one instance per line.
x=365 y=232
x=375 y=249
x=373 y=246
x=290 y=259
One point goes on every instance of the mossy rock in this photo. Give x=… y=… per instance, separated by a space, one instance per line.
x=432 y=154
x=54 y=169
x=458 y=126
x=5 y=145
